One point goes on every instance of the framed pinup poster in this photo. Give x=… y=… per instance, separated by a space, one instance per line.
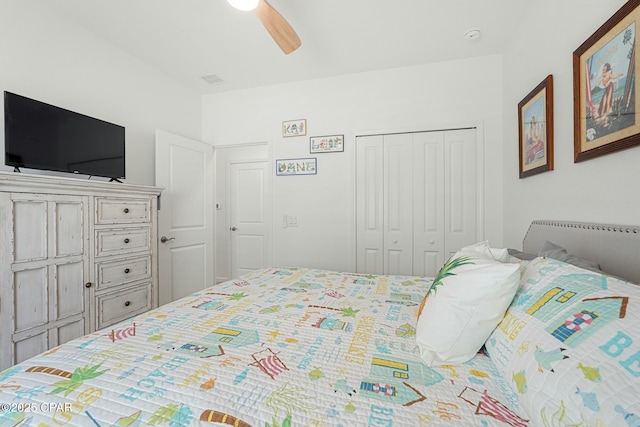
x=535 y=128
x=604 y=68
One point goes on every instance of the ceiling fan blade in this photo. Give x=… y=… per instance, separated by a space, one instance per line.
x=281 y=31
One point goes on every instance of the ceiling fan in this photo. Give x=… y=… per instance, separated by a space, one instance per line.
x=281 y=31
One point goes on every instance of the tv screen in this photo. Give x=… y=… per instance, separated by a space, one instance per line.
x=42 y=136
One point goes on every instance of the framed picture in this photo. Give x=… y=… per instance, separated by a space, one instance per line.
x=535 y=129
x=605 y=118
x=294 y=128
x=326 y=144
x=285 y=167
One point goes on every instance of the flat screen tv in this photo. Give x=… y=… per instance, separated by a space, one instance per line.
x=42 y=136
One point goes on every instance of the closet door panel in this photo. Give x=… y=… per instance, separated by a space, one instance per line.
x=370 y=261
x=394 y=261
x=428 y=209
x=460 y=189
x=370 y=199
x=430 y=263
x=398 y=204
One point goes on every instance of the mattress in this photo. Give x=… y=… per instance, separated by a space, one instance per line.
x=277 y=347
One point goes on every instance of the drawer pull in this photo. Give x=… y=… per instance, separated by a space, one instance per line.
x=127 y=240
x=126 y=210
x=127 y=303
x=88 y=285
x=126 y=271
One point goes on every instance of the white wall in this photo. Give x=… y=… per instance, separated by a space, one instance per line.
x=46 y=57
x=449 y=94
x=604 y=189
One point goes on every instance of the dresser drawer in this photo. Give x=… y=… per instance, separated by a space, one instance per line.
x=116 y=273
x=122 y=241
x=116 y=306
x=122 y=211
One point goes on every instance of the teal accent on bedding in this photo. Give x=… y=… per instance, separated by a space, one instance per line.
x=569 y=343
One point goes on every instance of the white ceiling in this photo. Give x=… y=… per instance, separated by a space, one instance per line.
x=188 y=39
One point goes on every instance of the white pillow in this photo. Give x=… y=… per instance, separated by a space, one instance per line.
x=485 y=249
x=466 y=301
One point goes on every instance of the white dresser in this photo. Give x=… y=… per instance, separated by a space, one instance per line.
x=75 y=256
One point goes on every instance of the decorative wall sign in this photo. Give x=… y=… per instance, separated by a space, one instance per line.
x=294 y=128
x=605 y=117
x=535 y=125
x=326 y=144
x=306 y=166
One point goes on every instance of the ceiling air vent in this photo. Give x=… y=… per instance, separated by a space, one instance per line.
x=212 y=79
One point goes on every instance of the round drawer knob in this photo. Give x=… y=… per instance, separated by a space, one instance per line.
x=126 y=271
x=88 y=285
x=127 y=303
x=126 y=210
x=127 y=240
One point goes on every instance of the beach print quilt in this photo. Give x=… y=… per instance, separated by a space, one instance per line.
x=569 y=347
x=277 y=347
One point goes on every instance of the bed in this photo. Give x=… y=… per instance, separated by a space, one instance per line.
x=309 y=347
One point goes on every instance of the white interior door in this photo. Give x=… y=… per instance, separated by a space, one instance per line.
x=184 y=168
x=249 y=216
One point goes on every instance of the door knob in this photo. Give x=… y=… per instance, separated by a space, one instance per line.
x=233 y=228
x=164 y=239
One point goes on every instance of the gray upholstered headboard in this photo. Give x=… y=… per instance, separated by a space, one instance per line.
x=615 y=247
